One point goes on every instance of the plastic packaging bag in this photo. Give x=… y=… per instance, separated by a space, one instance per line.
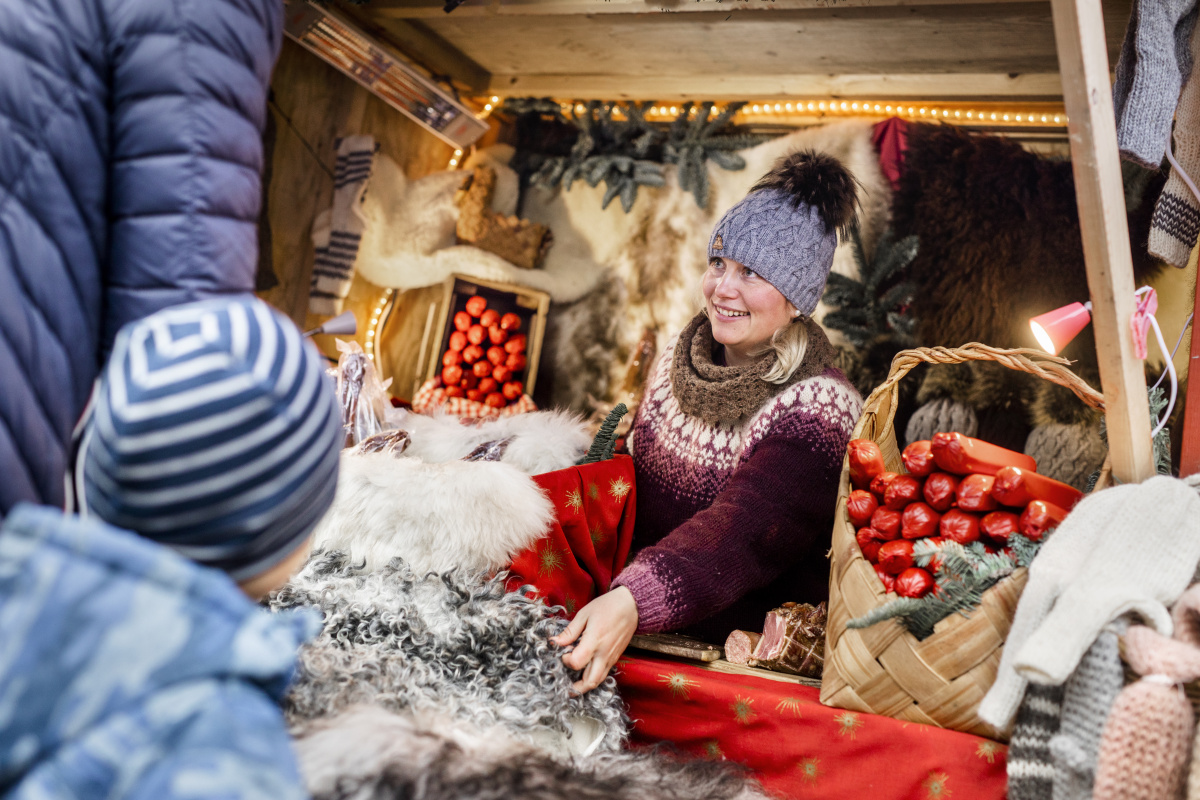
x=361 y=396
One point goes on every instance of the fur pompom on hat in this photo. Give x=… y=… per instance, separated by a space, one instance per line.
x=786 y=229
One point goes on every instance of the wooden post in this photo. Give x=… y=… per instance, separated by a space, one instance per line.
x=1087 y=95
x=1189 y=458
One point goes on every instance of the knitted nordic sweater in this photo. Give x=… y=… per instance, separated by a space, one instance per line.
x=734 y=519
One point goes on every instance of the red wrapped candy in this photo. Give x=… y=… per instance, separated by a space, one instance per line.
x=914 y=582
x=963 y=455
x=918 y=520
x=510 y=322
x=451 y=374
x=496 y=356
x=476 y=334
x=489 y=318
x=458 y=340
x=959 y=526
x=1040 y=517
x=860 y=505
x=474 y=394
x=495 y=400
x=886 y=521
x=481 y=369
x=998 y=526
x=476 y=305
x=496 y=334
x=880 y=483
x=866 y=461
x=462 y=321
x=516 y=362
x=515 y=343
x=1017 y=487
x=888 y=581
x=918 y=459
x=975 y=493
x=513 y=389
x=451 y=358
x=472 y=353
x=903 y=489
x=897 y=556
x=869 y=541
x=487 y=385
x=940 y=491
x=454 y=391
x=469 y=381
x=502 y=374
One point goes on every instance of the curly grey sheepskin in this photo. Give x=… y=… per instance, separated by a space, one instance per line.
x=367 y=753
x=452 y=643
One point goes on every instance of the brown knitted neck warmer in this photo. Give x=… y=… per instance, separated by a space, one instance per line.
x=729 y=395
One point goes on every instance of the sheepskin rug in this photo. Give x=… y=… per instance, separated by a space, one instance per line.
x=368 y=753
x=453 y=643
x=469 y=515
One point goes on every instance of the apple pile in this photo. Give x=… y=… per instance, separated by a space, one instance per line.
x=486 y=356
x=955 y=489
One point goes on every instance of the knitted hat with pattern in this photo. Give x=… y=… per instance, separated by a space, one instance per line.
x=215 y=432
x=786 y=228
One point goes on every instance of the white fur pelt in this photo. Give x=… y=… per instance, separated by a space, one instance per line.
x=453 y=643
x=371 y=754
x=541 y=441
x=468 y=515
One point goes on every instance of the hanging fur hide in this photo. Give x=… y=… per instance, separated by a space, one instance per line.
x=542 y=441
x=999 y=238
x=466 y=515
x=451 y=643
x=371 y=754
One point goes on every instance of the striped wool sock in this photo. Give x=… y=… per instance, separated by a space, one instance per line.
x=1030 y=766
x=337 y=244
x=1176 y=221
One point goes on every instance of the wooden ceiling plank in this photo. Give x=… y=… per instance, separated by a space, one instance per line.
x=964 y=86
x=421 y=9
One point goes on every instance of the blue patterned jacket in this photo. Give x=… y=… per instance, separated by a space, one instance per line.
x=127 y=671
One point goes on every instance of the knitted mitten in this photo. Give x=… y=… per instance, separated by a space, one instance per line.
x=1155 y=60
x=1176 y=221
x=1144 y=749
x=1089 y=695
x=1146 y=550
x=1030 y=770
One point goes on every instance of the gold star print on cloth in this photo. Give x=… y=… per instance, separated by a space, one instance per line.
x=810 y=770
x=848 y=723
x=679 y=684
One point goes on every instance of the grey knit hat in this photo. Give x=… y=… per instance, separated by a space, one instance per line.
x=786 y=228
x=216 y=433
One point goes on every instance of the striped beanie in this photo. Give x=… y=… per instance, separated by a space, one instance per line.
x=215 y=432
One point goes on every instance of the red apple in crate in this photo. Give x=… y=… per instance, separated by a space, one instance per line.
x=462 y=321
x=487 y=385
x=510 y=322
x=476 y=334
x=502 y=373
x=495 y=400
x=513 y=389
x=476 y=305
x=489 y=318
x=516 y=362
x=451 y=375
x=458 y=340
x=496 y=356
x=481 y=369
x=451 y=358
x=515 y=344
x=497 y=335
x=472 y=354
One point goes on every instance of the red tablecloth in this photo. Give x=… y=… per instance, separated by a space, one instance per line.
x=799 y=748
x=589 y=541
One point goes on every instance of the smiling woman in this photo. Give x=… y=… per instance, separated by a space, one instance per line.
x=738 y=443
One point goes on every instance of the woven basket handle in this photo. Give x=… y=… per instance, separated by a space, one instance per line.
x=881 y=405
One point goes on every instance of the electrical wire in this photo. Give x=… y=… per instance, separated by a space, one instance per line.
x=1186 y=324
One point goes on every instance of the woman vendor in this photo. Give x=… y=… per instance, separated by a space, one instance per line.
x=739 y=440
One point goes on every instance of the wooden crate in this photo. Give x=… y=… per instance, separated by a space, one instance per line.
x=530 y=305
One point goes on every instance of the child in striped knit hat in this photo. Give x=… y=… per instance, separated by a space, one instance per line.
x=135 y=662
x=739 y=439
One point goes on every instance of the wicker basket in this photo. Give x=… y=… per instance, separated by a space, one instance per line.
x=884 y=669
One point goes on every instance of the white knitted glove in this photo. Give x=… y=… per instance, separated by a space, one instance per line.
x=1142 y=561
x=1176 y=221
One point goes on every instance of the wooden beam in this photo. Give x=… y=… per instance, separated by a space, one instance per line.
x=743 y=86
x=1189 y=458
x=1087 y=95
x=422 y=9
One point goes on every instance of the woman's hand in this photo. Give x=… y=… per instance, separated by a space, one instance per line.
x=603 y=628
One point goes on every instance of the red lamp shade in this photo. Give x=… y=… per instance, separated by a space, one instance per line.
x=1055 y=329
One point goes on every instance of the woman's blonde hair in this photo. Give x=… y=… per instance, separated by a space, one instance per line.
x=790 y=344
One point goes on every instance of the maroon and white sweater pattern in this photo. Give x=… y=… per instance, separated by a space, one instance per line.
x=734 y=519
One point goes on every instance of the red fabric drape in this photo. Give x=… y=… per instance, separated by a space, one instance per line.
x=890 y=138
x=589 y=541
x=799 y=748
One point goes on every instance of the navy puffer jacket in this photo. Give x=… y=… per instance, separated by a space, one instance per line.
x=130 y=163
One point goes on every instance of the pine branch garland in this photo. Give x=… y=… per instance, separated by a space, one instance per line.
x=875 y=307
x=605 y=443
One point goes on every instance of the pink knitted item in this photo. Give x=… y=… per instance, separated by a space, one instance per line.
x=1148 y=735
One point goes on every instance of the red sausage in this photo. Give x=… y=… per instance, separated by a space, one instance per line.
x=886 y=521
x=888 y=581
x=998 y=526
x=869 y=542
x=959 y=526
x=975 y=493
x=941 y=491
x=903 y=489
x=880 y=483
x=918 y=459
x=963 y=455
x=914 y=582
x=895 y=557
x=866 y=461
x=918 y=521
x=1039 y=518
x=861 y=505
x=1018 y=488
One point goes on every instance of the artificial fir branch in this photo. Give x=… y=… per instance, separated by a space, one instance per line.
x=875 y=307
x=605 y=443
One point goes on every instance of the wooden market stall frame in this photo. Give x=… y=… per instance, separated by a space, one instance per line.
x=1091 y=127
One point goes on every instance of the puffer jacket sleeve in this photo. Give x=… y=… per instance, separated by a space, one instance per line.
x=189 y=102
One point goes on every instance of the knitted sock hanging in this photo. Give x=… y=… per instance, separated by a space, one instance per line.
x=1176 y=222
